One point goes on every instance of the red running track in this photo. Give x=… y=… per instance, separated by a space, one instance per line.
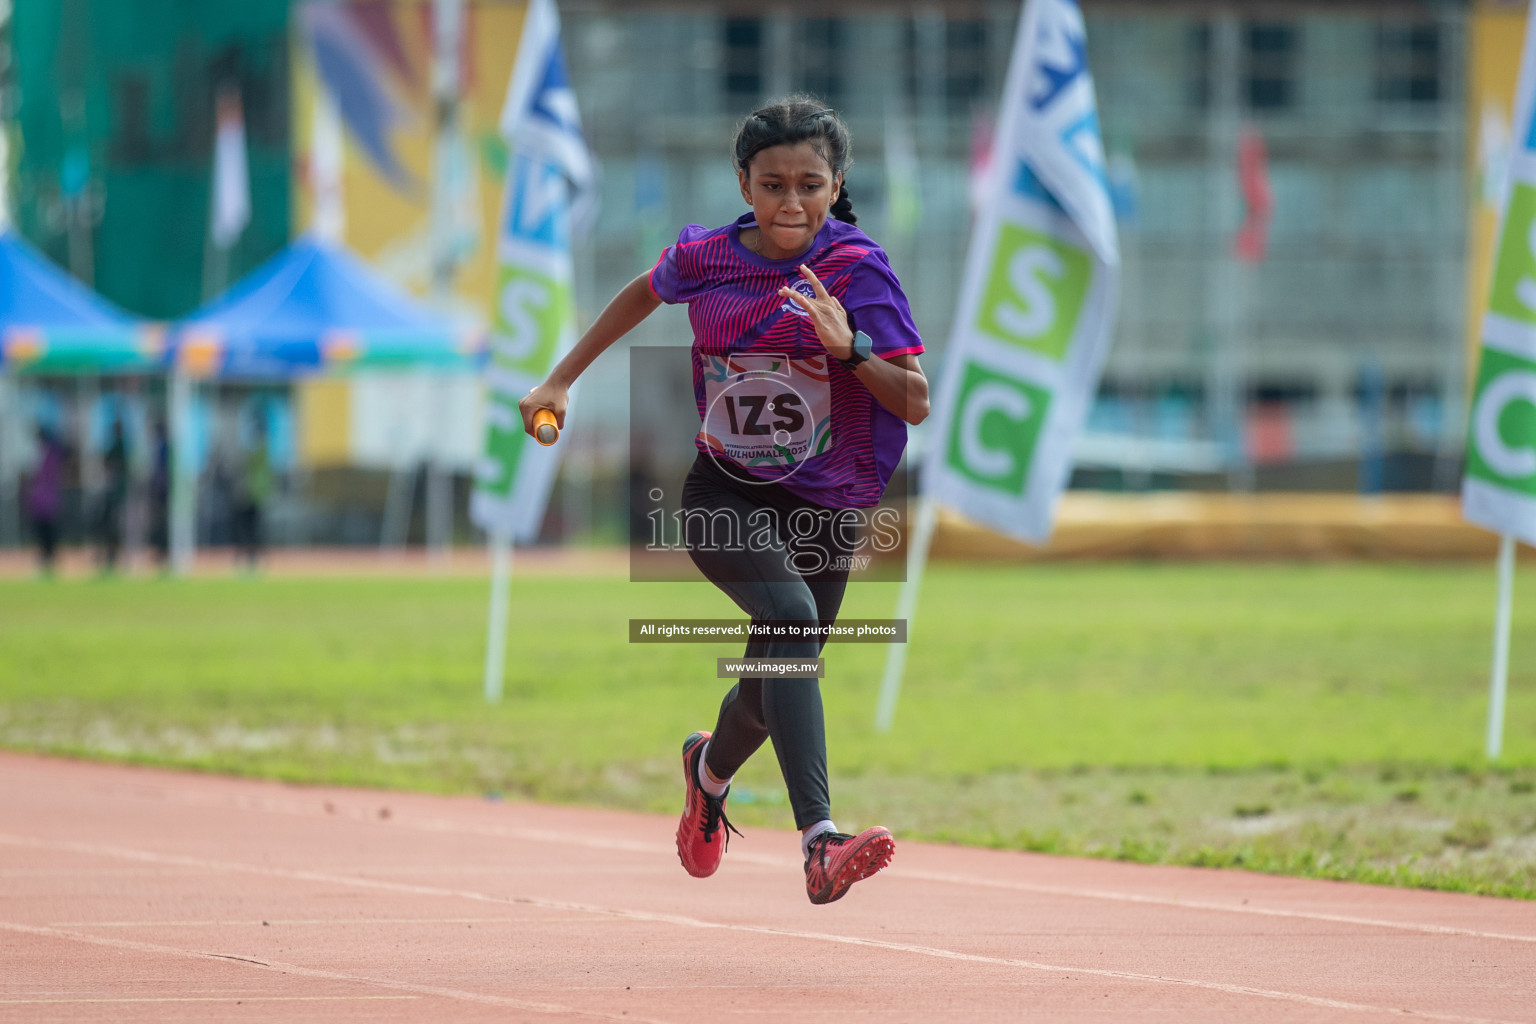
x=131 y=894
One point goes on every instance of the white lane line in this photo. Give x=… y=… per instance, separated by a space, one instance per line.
x=1165 y=901
x=255 y=922
x=556 y=837
x=202 y=999
x=691 y=922
x=950 y=878
x=548 y=1009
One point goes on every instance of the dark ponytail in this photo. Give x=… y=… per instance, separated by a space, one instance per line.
x=799 y=118
x=843 y=208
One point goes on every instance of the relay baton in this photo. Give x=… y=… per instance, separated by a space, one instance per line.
x=544 y=429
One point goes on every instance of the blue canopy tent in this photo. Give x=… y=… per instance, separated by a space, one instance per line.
x=50 y=323
x=312 y=308
x=315 y=307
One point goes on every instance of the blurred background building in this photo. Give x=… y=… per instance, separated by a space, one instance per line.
x=1305 y=192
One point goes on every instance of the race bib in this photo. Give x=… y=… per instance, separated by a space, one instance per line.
x=767 y=410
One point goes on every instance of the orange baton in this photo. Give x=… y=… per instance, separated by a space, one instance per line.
x=544 y=429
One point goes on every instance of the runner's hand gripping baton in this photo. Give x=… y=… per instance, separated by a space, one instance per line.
x=544 y=429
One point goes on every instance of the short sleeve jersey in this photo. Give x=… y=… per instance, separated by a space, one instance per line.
x=770 y=398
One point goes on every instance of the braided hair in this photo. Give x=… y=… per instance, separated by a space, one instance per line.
x=794 y=119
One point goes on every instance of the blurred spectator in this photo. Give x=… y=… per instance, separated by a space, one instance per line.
x=45 y=497
x=253 y=489
x=113 y=499
x=160 y=496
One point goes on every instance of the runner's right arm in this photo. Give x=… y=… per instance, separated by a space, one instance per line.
x=634 y=303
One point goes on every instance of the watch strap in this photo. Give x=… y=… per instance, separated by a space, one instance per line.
x=862 y=349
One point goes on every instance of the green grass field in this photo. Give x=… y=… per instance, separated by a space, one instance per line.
x=1312 y=719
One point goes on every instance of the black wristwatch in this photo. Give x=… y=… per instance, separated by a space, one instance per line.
x=863 y=348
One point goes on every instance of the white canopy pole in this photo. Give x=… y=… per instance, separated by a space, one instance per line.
x=447 y=182
x=326 y=156
x=12 y=431
x=906 y=608
x=183 y=468
x=496 y=628
x=1499 y=678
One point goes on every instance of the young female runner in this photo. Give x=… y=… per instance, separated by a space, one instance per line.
x=805 y=374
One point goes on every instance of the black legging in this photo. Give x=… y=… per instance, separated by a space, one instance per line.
x=45 y=530
x=246 y=530
x=781 y=559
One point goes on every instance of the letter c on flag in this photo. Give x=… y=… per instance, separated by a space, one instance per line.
x=1503 y=459
x=991 y=397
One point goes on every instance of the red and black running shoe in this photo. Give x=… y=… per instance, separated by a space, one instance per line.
x=700 y=840
x=838 y=860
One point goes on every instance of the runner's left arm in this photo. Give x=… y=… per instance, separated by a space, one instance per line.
x=633 y=304
x=897 y=383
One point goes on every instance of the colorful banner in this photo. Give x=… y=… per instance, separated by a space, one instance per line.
x=1036 y=312
x=1495 y=31
x=373 y=62
x=549 y=177
x=1499 y=490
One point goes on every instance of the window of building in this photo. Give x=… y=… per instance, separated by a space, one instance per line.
x=966 y=63
x=1287 y=391
x=131 y=142
x=1408 y=62
x=823 y=57
x=959 y=74
x=1269 y=65
x=743 y=67
x=1197 y=59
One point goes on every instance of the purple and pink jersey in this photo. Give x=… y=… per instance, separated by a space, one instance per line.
x=769 y=397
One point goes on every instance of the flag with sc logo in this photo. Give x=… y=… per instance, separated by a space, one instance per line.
x=1036 y=310
x=1499 y=489
x=549 y=178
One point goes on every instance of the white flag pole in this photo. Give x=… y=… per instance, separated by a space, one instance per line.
x=1494 y=491
x=1046 y=200
x=1499 y=679
x=906 y=608
x=534 y=325
x=183 y=470
x=447 y=90
x=496 y=628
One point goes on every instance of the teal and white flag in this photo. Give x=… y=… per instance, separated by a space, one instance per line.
x=1499 y=490
x=549 y=181
x=1037 y=306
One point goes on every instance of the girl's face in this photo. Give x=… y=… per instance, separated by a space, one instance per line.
x=791 y=189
